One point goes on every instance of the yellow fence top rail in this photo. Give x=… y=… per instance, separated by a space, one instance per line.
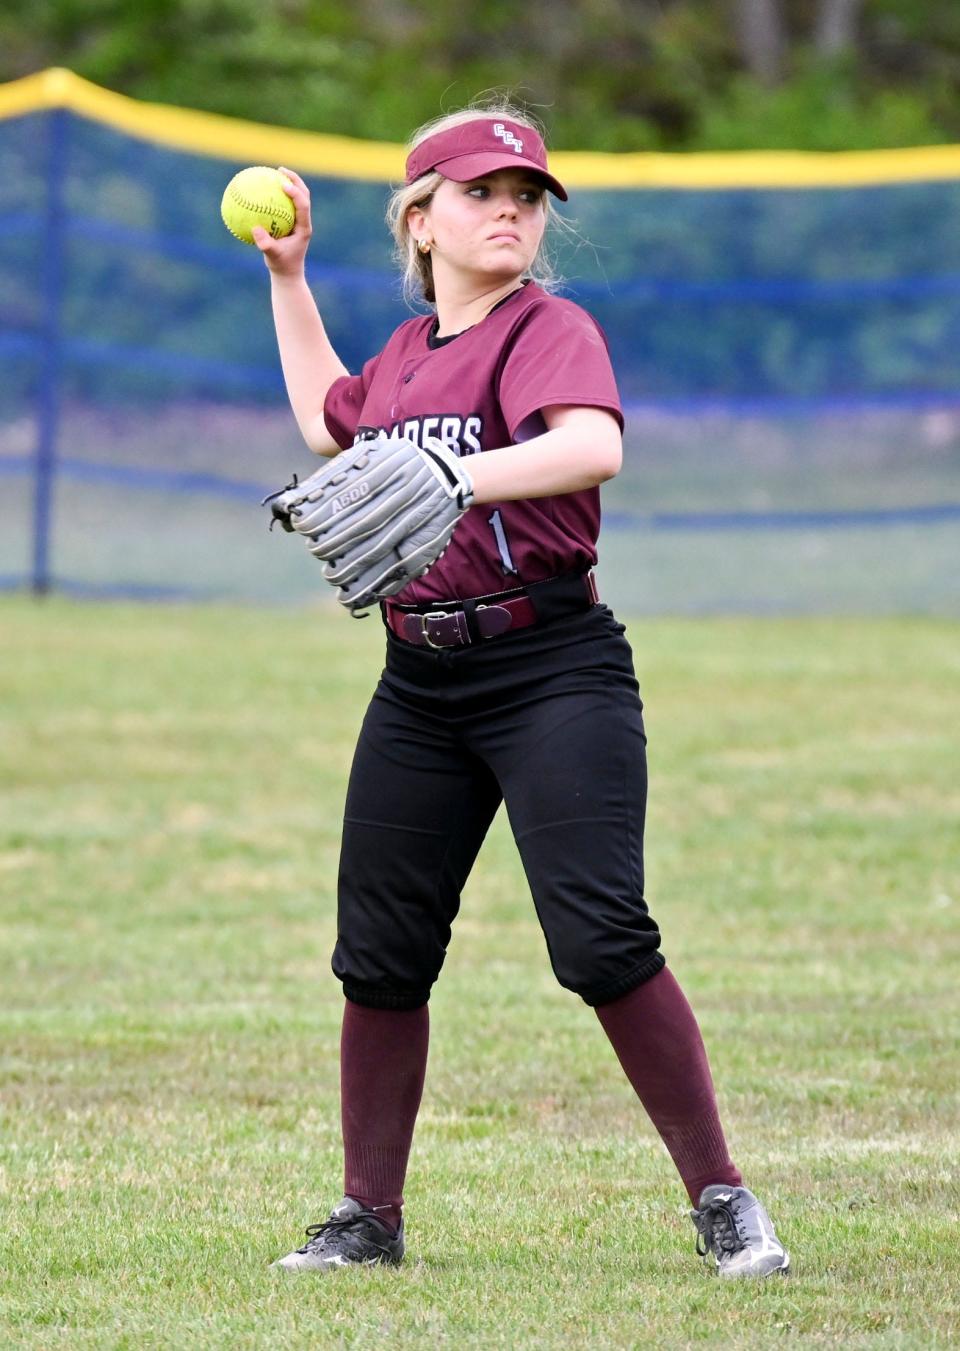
x=235 y=139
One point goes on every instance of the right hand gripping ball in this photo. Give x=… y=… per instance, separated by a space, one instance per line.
x=255 y=197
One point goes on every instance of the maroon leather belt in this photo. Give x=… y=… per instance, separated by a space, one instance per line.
x=460 y=623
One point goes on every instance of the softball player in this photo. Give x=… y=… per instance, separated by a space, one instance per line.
x=505 y=680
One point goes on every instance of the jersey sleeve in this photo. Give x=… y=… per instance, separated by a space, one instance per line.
x=344 y=402
x=558 y=356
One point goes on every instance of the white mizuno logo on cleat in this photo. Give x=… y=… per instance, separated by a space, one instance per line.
x=770 y=1243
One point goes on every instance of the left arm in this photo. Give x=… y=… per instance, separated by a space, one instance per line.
x=581 y=448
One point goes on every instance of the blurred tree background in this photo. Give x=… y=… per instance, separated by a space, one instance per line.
x=603 y=74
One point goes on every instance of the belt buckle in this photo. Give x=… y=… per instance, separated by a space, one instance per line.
x=432 y=614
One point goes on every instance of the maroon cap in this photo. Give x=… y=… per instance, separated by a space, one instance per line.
x=480 y=147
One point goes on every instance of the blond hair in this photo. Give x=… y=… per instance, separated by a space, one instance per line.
x=416 y=268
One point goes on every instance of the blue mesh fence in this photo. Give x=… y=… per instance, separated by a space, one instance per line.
x=790 y=361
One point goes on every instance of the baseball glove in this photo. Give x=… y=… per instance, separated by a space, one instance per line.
x=377 y=515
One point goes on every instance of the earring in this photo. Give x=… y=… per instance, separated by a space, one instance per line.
x=423 y=245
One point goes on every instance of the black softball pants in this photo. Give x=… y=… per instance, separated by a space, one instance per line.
x=547 y=719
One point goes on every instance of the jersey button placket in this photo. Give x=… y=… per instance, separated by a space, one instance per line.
x=396 y=409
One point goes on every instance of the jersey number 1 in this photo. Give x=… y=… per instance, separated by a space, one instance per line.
x=500 y=535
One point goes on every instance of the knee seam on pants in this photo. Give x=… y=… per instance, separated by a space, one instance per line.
x=616 y=989
x=373 y=998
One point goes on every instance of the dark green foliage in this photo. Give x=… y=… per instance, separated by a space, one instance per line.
x=603 y=74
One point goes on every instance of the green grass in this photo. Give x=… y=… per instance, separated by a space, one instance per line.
x=171 y=790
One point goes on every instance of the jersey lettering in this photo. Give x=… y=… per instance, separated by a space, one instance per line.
x=450 y=430
x=470 y=437
x=495 y=521
x=463 y=435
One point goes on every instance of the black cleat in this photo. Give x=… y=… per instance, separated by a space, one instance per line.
x=352 y=1235
x=735 y=1228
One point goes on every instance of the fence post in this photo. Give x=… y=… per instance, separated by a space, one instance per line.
x=49 y=391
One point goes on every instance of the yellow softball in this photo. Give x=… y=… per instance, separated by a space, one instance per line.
x=255 y=197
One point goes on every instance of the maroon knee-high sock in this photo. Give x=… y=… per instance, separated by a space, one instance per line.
x=657 y=1040
x=383 y=1062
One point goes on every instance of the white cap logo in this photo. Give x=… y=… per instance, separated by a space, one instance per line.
x=507 y=137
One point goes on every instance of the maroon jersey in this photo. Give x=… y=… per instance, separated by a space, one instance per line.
x=479 y=391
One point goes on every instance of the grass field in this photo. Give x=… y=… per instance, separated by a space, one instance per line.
x=171 y=789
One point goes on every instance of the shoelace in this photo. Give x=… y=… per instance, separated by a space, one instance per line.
x=316 y=1233
x=717 y=1229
